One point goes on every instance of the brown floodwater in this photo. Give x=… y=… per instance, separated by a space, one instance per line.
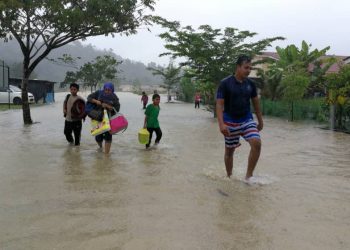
x=175 y=196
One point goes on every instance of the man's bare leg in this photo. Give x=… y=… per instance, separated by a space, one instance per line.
x=255 y=149
x=229 y=160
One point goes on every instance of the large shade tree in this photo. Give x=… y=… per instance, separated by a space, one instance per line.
x=91 y=73
x=41 y=26
x=209 y=53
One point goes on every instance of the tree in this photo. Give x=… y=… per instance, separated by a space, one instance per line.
x=170 y=76
x=42 y=26
x=338 y=94
x=294 y=63
x=292 y=58
x=187 y=89
x=294 y=87
x=318 y=75
x=270 y=83
x=136 y=87
x=91 y=73
x=209 y=53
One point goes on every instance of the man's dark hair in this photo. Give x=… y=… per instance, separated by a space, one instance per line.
x=155 y=96
x=74 y=85
x=243 y=59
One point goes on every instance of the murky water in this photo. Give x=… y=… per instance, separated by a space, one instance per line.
x=176 y=196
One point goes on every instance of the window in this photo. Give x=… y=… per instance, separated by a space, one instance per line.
x=15 y=89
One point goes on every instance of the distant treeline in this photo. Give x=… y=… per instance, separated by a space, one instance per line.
x=130 y=71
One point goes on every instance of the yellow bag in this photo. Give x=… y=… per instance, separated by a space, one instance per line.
x=98 y=128
x=143 y=136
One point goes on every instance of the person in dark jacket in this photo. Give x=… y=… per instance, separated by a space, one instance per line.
x=105 y=99
x=73 y=111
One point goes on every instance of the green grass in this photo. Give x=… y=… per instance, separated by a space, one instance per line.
x=5 y=106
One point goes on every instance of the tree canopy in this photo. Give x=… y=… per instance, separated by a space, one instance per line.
x=289 y=77
x=42 y=26
x=170 y=75
x=338 y=94
x=91 y=73
x=209 y=53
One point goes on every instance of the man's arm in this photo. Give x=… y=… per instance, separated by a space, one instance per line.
x=256 y=105
x=64 y=109
x=65 y=105
x=93 y=98
x=220 y=117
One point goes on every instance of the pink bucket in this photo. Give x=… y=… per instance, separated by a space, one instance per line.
x=118 y=123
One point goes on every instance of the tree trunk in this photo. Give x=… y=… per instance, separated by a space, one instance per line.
x=24 y=86
x=169 y=96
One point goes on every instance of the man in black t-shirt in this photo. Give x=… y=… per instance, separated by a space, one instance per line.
x=235 y=118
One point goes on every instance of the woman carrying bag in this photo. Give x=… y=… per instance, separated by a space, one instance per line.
x=108 y=100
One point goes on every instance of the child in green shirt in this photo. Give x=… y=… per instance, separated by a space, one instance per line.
x=151 y=120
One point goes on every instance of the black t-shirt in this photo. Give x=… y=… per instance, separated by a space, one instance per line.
x=236 y=96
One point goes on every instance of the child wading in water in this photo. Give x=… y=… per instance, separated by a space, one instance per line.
x=151 y=120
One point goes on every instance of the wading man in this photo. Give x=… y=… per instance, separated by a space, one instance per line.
x=235 y=118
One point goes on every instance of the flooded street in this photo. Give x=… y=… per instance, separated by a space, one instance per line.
x=175 y=196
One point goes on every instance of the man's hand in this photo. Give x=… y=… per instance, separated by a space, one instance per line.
x=97 y=102
x=107 y=106
x=224 y=130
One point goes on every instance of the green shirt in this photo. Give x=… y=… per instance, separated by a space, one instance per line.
x=152 y=113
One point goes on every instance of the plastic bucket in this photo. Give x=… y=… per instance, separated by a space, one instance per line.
x=143 y=136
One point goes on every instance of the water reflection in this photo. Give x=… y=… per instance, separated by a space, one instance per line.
x=72 y=161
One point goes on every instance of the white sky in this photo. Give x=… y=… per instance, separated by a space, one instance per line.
x=319 y=22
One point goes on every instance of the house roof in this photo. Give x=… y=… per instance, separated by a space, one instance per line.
x=272 y=55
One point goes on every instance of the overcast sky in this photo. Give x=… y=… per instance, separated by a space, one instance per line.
x=319 y=22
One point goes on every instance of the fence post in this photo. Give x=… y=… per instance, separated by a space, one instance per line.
x=331 y=116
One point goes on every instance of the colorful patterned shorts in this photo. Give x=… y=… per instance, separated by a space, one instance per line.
x=247 y=130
